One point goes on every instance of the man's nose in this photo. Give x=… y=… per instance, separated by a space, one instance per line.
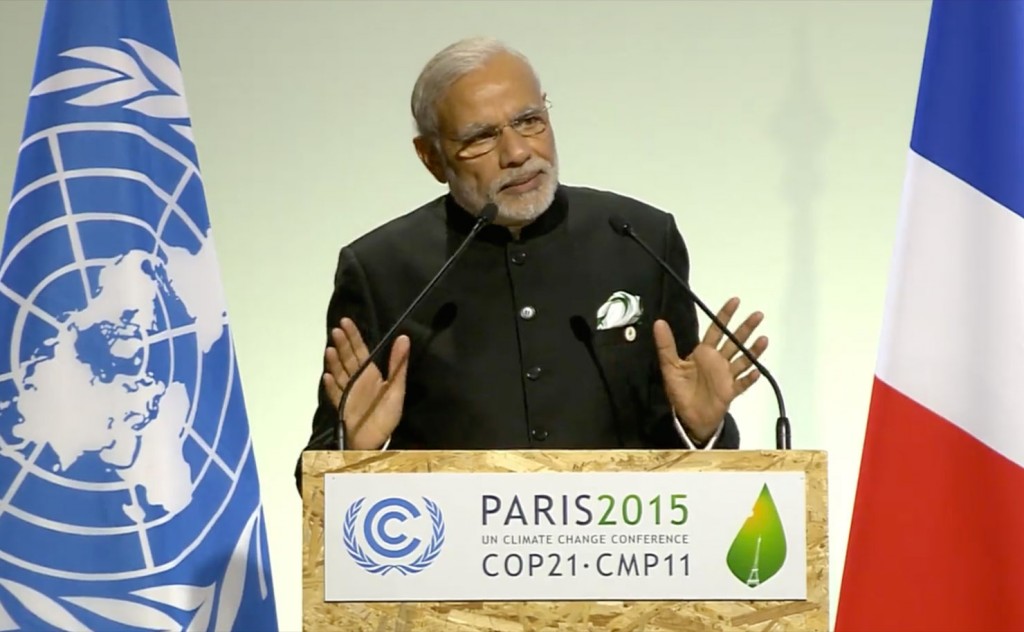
x=514 y=149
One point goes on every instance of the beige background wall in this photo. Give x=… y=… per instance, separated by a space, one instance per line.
x=776 y=132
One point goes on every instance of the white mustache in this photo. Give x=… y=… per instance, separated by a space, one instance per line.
x=530 y=169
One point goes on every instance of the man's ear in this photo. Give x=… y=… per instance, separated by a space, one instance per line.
x=430 y=157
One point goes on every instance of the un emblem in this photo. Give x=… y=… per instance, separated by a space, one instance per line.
x=391 y=548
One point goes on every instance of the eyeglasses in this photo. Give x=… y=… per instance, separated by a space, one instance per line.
x=482 y=139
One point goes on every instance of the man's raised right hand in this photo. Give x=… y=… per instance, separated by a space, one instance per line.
x=374 y=407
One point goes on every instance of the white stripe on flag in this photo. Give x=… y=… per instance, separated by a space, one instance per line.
x=953 y=336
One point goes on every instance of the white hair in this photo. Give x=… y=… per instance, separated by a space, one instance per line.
x=444 y=69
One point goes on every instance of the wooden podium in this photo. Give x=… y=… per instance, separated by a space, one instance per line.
x=514 y=616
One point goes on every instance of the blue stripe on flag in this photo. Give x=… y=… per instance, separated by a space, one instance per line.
x=970 y=109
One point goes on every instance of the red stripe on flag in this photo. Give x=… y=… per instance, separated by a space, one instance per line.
x=937 y=538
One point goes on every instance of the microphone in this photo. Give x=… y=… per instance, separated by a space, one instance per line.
x=783 y=433
x=486 y=216
x=585 y=336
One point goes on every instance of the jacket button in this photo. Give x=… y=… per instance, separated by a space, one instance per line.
x=519 y=258
x=527 y=312
x=533 y=373
x=539 y=434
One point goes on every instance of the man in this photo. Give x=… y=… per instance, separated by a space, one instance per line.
x=552 y=331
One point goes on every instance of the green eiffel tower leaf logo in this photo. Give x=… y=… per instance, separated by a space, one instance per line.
x=759 y=550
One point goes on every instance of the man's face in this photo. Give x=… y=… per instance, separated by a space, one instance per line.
x=496 y=142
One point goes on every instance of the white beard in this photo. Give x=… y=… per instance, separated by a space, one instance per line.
x=513 y=208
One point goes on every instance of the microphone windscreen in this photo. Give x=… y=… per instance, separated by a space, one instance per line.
x=580 y=329
x=619 y=225
x=489 y=212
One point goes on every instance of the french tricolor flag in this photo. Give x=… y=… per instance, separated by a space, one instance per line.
x=937 y=538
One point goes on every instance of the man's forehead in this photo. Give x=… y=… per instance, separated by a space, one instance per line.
x=500 y=89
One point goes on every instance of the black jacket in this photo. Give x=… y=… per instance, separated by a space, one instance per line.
x=484 y=373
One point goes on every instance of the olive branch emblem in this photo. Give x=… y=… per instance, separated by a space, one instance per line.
x=160 y=607
x=120 y=77
x=425 y=559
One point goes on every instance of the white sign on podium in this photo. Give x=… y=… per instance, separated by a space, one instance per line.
x=564 y=536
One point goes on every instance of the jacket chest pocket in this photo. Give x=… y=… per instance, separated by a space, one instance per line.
x=627 y=352
x=635 y=337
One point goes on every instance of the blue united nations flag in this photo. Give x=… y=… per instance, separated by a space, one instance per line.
x=128 y=490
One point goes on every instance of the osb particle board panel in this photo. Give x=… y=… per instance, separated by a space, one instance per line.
x=543 y=616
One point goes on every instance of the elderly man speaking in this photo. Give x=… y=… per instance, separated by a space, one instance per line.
x=551 y=330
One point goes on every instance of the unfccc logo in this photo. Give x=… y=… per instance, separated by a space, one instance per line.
x=385 y=530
